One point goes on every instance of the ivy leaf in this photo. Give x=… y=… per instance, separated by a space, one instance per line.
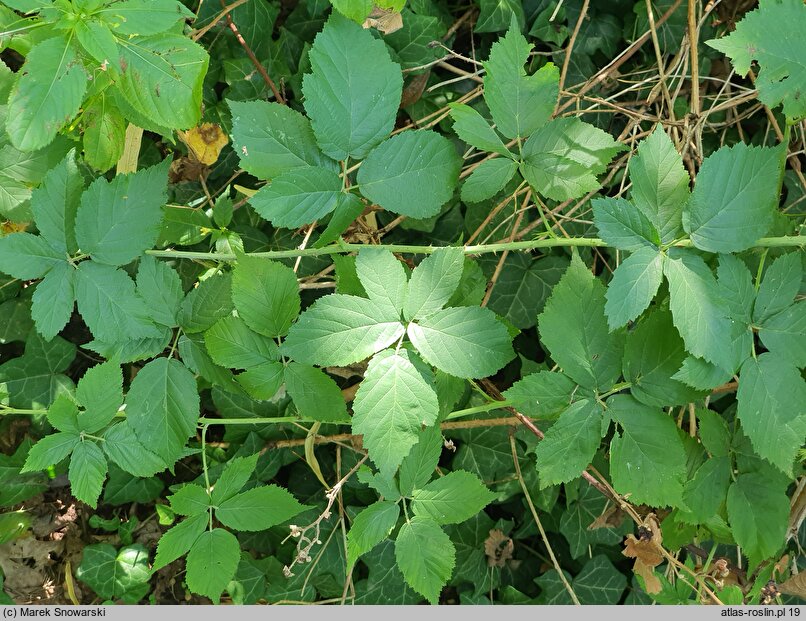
x=50 y=450
x=271 y=139
x=660 y=184
x=779 y=287
x=298 y=197
x=100 y=391
x=212 y=562
x=161 y=78
x=412 y=174
x=123 y=447
x=451 y=499
x=258 y=508
x=647 y=459
x=465 y=341
x=179 y=539
x=633 y=287
x=120 y=219
x=425 y=556
x=433 y=282
x=573 y=328
x=47 y=94
x=698 y=313
x=233 y=345
x=87 y=472
x=54 y=299
x=782 y=78
x=115 y=575
x=371 y=526
x=562 y=159
x=570 y=443
x=772 y=408
x=520 y=104
x=488 y=179
x=55 y=203
x=159 y=285
x=163 y=406
x=27 y=256
x=497 y=15
x=542 y=394
x=758 y=514
x=734 y=199
x=624 y=226
x=109 y=304
x=394 y=401
x=353 y=92
x=471 y=127
x=383 y=277
x=314 y=393
x=338 y=330
x=266 y=295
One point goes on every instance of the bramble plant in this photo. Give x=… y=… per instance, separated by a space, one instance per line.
x=409 y=338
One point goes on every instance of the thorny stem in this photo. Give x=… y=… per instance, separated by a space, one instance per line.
x=789 y=241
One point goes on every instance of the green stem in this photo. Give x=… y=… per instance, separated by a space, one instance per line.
x=586 y=242
x=8 y=411
x=487 y=407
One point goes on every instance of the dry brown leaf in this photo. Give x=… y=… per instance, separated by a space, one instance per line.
x=651 y=581
x=647 y=552
x=204 y=142
x=612 y=517
x=386 y=21
x=796 y=586
x=498 y=548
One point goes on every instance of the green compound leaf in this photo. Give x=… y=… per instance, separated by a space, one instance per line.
x=421 y=462
x=100 y=391
x=779 y=287
x=353 y=92
x=488 y=179
x=87 y=472
x=396 y=398
x=705 y=494
x=452 y=499
x=433 y=282
x=163 y=406
x=573 y=328
x=115 y=575
x=109 y=304
x=734 y=199
x=356 y=10
x=758 y=514
x=53 y=300
x=266 y=295
x=27 y=256
x=647 y=459
x=104 y=134
x=298 y=197
x=383 y=277
x=338 y=330
x=211 y=300
x=471 y=127
x=370 y=527
x=212 y=562
x=660 y=184
x=161 y=78
x=411 y=174
x=263 y=381
x=426 y=556
x=520 y=104
x=699 y=314
x=772 y=408
x=122 y=447
x=235 y=475
x=562 y=159
x=633 y=287
x=271 y=139
x=772 y=36
x=120 y=219
x=570 y=443
x=50 y=450
x=466 y=341
x=622 y=225
x=258 y=509
x=542 y=395
x=314 y=393
x=233 y=345
x=161 y=288
x=785 y=334
x=179 y=539
x=55 y=203
x=144 y=17
x=62 y=414
x=47 y=94
x=190 y=500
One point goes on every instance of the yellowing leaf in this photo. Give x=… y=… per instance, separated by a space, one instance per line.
x=204 y=142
